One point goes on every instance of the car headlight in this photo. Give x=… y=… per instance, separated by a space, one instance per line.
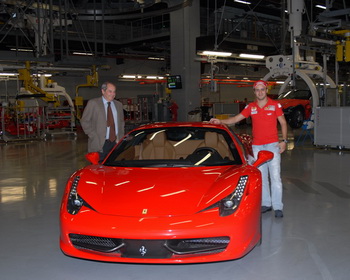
x=75 y=202
x=230 y=203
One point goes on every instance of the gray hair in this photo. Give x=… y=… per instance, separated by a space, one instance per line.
x=104 y=85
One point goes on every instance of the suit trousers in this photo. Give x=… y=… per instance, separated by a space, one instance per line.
x=107 y=147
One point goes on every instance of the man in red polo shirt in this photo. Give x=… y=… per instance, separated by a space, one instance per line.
x=265 y=113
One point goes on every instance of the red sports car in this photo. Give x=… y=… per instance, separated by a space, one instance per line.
x=167 y=193
x=296 y=106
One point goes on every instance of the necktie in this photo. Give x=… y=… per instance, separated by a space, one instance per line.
x=110 y=123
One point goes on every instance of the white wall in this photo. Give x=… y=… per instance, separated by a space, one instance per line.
x=230 y=93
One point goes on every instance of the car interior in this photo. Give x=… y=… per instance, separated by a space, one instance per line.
x=167 y=147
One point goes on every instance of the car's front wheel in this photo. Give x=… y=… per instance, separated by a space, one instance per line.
x=296 y=119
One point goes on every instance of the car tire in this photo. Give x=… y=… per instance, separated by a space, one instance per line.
x=296 y=119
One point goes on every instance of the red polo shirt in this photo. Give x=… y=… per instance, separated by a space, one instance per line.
x=264 y=121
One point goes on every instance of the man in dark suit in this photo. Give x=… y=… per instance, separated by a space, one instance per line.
x=94 y=121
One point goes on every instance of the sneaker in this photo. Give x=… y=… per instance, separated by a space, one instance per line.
x=265 y=209
x=278 y=213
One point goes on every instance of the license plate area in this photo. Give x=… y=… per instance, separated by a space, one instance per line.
x=145 y=249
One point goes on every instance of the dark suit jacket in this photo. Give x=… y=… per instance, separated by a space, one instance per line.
x=94 y=123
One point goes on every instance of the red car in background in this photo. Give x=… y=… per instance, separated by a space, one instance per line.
x=167 y=193
x=296 y=106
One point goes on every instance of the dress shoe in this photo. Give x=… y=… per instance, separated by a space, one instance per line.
x=278 y=213
x=265 y=209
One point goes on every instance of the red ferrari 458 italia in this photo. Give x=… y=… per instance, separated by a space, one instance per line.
x=166 y=193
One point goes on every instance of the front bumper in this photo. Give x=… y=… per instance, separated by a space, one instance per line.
x=203 y=237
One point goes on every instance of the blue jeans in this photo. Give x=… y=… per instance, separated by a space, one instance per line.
x=271 y=176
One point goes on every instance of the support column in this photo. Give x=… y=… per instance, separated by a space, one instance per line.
x=185 y=28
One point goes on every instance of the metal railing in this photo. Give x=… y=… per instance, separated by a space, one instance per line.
x=24 y=123
x=35 y=122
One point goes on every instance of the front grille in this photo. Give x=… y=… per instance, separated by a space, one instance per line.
x=100 y=244
x=199 y=245
x=157 y=249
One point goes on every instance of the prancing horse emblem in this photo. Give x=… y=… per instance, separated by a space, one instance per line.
x=144 y=211
x=143 y=250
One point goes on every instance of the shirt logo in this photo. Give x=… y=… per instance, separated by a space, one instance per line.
x=270 y=108
x=254 y=110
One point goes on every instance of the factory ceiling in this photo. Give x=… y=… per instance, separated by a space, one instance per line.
x=61 y=32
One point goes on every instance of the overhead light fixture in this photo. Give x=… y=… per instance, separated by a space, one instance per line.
x=156 y=58
x=321 y=7
x=253 y=56
x=242 y=2
x=137 y=77
x=8 y=74
x=82 y=53
x=216 y=53
x=41 y=75
x=21 y=50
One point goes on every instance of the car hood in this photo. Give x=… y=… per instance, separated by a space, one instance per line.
x=156 y=191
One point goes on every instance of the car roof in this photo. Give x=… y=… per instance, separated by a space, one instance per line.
x=181 y=124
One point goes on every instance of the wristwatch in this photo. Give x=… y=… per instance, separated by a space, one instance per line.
x=285 y=141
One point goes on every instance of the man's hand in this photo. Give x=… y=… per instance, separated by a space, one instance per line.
x=215 y=121
x=283 y=146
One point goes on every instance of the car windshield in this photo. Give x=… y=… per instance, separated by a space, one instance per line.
x=295 y=94
x=175 y=147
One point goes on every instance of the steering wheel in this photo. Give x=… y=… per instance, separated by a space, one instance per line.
x=206 y=149
x=200 y=155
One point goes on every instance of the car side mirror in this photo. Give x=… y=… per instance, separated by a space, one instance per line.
x=94 y=158
x=263 y=156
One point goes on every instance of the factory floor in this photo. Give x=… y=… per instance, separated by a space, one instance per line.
x=311 y=241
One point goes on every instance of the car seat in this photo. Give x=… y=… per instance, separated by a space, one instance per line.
x=212 y=139
x=157 y=146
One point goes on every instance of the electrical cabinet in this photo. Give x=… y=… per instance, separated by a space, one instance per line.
x=332 y=127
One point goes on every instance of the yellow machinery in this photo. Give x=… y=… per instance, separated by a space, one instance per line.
x=91 y=81
x=43 y=107
x=343 y=48
x=58 y=113
x=47 y=89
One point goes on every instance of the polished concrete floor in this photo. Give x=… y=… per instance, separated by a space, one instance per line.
x=311 y=242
